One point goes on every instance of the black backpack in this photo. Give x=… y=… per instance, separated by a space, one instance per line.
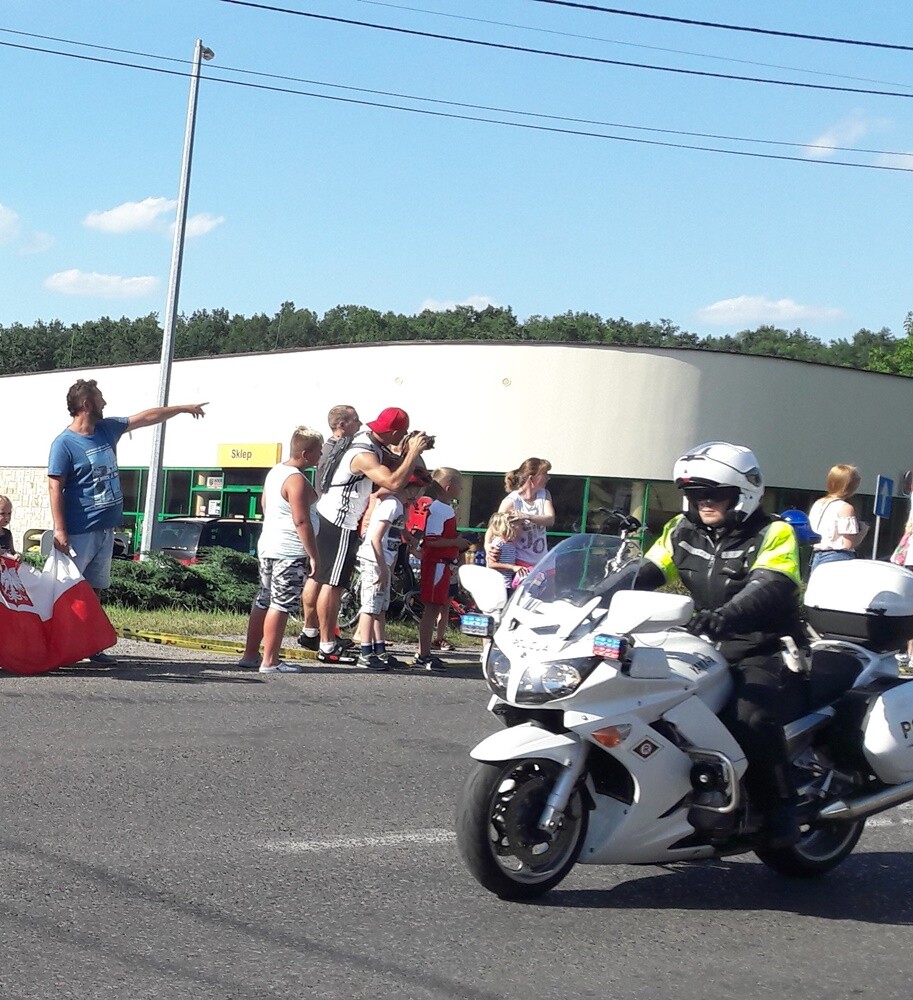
x=329 y=461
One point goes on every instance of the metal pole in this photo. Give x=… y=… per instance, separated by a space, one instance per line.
x=155 y=479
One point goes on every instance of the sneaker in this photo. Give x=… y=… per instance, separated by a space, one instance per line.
x=281 y=668
x=249 y=664
x=444 y=646
x=372 y=662
x=311 y=642
x=433 y=663
x=393 y=663
x=345 y=643
x=336 y=655
x=102 y=658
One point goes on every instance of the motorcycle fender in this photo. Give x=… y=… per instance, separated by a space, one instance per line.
x=527 y=741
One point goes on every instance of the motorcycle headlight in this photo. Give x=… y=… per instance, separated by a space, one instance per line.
x=542 y=682
x=496 y=670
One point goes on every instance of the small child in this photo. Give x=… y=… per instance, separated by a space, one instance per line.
x=501 y=548
x=7 y=545
x=376 y=560
x=441 y=547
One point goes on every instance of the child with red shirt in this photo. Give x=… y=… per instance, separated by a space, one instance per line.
x=441 y=547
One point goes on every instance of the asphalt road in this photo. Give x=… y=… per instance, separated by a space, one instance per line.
x=174 y=828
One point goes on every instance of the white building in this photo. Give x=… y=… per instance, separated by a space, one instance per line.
x=611 y=420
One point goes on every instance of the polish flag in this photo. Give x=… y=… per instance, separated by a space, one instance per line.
x=48 y=618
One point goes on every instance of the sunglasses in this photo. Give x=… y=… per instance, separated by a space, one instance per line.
x=714 y=494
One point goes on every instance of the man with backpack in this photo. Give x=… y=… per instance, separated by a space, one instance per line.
x=344 y=424
x=347 y=475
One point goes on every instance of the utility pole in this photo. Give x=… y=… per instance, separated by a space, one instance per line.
x=154 y=485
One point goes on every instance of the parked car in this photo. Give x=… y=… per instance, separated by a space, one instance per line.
x=187 y=538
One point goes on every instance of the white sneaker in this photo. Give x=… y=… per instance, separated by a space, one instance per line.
x=281 y=668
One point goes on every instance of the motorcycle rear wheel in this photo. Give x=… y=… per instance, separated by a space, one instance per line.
x=822 y=847
x=497 y=834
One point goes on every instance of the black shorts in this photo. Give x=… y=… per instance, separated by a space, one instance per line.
x=336 y=551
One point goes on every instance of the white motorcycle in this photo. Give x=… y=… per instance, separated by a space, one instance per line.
x=614 y=752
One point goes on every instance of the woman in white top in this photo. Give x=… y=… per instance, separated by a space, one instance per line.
x=529 y=504
x=834 y=518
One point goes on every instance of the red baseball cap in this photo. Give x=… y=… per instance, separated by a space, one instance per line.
x=391 y=419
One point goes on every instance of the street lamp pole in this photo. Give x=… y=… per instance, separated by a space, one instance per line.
x=155 y=479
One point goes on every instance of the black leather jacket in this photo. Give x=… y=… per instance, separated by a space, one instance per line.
x=749 y=572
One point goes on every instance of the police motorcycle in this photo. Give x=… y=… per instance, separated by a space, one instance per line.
x=614 y=752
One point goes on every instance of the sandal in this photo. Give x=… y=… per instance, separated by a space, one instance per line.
x=444 y=646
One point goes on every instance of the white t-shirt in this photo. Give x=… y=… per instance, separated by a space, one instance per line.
x=531 y=543
x=389 y=509
x=825 y=519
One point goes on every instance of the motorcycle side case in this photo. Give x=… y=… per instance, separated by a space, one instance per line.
x=863 y=601
x=873 y=729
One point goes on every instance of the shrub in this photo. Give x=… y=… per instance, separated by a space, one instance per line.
x=226 y=581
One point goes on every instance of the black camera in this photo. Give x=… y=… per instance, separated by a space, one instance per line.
x=412 y=434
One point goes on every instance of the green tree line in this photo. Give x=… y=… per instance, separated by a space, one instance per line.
x=204 y=333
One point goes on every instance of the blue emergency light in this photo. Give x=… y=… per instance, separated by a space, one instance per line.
x=609 y=647
x=478 y=624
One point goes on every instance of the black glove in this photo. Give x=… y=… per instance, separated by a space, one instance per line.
x=709 y=623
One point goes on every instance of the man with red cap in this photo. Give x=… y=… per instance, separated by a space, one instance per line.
x=340 y=510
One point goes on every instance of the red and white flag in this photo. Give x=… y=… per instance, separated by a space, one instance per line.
x=48 y=618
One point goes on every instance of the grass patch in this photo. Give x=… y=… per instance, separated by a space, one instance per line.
x=181 y=621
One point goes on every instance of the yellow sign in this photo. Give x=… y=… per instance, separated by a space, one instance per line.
x=249 y=456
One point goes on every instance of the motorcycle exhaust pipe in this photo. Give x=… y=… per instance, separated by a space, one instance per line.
x=861 y=806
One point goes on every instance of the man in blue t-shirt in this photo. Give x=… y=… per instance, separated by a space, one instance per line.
x=83 y=482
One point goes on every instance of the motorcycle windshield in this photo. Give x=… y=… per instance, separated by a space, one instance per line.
x=578 y=569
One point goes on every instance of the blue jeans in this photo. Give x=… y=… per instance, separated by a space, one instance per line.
x=831 y=555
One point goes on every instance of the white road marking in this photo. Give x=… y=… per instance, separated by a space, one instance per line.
x=899 y=816
x=432 y=836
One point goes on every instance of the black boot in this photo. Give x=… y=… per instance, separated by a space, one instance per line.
x=781 y=827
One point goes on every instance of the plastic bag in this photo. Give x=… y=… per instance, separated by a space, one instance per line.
x=48 y=618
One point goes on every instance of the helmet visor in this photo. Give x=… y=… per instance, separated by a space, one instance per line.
x=714 y=493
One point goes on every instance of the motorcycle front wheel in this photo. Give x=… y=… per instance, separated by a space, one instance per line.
x=820 y=848
x=497 y=828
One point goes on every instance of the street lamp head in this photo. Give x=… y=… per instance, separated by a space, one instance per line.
x=208 y=53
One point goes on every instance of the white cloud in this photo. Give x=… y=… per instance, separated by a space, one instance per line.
x=36 y=243
x=133 y=216
x=149 y=215
x=842 y=133
x=199 y=225
x=756 y=309
x=101 y=286
x=477 y=302
x=9 y=224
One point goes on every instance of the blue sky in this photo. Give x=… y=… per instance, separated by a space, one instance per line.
x=324 y=202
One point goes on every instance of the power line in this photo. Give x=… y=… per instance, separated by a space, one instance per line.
x=563 y=55
x=631 y=45
x=728 y=27
x=464 y=104
x=583 y=133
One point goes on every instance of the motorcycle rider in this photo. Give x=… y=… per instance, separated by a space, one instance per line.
x=741 y=567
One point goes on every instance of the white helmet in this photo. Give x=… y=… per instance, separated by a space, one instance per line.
x=718 y=464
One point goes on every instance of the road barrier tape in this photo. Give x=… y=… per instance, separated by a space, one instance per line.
x=226 y=646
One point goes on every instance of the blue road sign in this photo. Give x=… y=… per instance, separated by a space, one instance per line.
x=884 y=491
